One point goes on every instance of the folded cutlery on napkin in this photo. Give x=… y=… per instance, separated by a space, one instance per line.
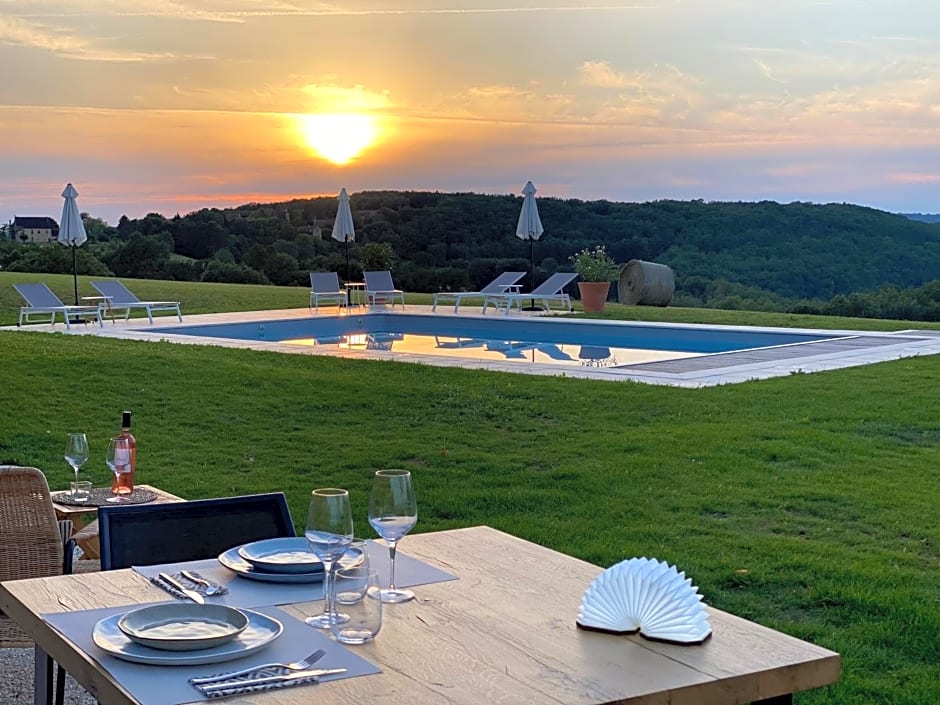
x=251 y=683
x=184 y=587
x=172 y=586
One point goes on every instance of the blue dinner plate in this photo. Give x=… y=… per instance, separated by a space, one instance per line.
x=234 y=562
x=281 y=555
x=260 y=632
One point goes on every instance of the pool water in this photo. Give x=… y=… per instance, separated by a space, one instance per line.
x=553 y=341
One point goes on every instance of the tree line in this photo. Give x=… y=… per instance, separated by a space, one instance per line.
x=834 y=258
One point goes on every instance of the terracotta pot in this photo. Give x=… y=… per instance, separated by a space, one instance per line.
x=593 y=295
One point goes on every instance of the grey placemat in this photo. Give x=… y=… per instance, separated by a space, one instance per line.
x=243 y=592
x=167 y=685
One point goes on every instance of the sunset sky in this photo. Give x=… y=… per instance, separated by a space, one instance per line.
x=170 y=106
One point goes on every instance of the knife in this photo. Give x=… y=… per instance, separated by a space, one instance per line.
x=191 y=594
x=270 y=680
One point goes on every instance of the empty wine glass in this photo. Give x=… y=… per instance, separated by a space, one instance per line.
x=329 y=532
x=76 y=451
x=118 y=459
x=393 y=512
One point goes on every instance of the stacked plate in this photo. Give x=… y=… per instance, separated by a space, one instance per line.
x=281 y=560
x=185 y=634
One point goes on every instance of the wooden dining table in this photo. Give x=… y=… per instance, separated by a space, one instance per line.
x=504 y=632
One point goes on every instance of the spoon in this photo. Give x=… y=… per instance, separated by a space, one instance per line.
x=211 y=588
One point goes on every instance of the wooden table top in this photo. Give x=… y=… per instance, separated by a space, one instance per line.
x=503 y=632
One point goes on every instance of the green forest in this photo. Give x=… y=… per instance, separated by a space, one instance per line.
x=836 y=259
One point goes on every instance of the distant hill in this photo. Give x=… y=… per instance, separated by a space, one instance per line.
x=460 y=240
x=730 y=254
x=923 y=217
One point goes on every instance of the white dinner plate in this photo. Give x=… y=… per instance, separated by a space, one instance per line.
x=281 y=555
x=260 y=632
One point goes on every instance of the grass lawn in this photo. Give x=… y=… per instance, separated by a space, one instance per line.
x=806 y=503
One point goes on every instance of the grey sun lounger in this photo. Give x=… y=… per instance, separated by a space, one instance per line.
x=380 y=289
x=41 y=300
x=503 y=283
x=551 y=290
x=325 y=286
x=119 y=296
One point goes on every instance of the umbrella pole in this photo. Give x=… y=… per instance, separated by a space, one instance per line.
x=75 y=272
x=346 y=242
x=532 y=306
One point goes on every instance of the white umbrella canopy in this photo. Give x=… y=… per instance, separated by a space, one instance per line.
x=530 y=225
x=343 y=228
x=530 y=228
x=72 y=229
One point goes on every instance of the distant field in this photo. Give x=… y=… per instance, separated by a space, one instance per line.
x=806 y=503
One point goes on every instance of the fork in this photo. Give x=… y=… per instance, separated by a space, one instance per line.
x=301 y=665
x=211 y=588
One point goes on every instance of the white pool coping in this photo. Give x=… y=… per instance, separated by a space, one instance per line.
x=699 y=371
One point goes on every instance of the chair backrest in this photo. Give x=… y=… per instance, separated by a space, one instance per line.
x=554 y=284
x=498 y=285
x=39 y=295
x=148 y=534
x=30 y=542
x=116 y=291
x=379 y=281
x=324 y=282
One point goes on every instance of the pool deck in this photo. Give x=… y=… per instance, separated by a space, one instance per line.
x=843 y=349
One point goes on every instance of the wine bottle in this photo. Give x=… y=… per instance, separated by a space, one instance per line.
x=124 y=482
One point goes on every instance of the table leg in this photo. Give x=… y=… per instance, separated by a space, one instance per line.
x=42 y=678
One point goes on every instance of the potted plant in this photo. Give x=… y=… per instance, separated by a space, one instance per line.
x=596 y=269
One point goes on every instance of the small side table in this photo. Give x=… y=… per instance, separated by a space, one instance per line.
x=357 y=293
x=85 y=520
x=103 y=303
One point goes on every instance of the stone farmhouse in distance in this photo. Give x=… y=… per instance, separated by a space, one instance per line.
x=34 y=229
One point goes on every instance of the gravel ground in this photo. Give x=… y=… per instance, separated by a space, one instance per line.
x=16 y=680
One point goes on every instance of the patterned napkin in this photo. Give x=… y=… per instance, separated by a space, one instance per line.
x=234 y=688
x=201 y=589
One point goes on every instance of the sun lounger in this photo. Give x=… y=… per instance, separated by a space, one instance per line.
x=41 y=300
x=119 y=296
x=504 y=283
x=549 y=291
x=325 y=286
x=381 y=290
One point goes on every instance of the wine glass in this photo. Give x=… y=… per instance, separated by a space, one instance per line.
x=76 y=451
x=393 y=512
x=118 y=459
x=329 y=532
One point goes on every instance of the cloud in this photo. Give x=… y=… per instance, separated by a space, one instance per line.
x=914 y=178
x=599 y=74
x=240 y=10
x=329 y=97
x=23 y=33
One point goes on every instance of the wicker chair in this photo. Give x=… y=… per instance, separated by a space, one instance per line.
x=33 y=544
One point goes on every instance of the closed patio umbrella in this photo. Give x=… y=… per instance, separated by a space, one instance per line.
x=343 y=228
x=530 y=228
x=72 y=229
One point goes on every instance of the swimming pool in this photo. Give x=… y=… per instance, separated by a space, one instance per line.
x=533 y=341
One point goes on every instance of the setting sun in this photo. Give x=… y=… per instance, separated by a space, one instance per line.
x=339 y=138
